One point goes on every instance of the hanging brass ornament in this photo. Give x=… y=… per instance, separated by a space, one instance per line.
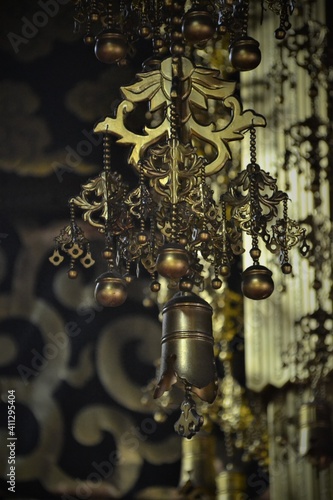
x=187 y=346
x=172 y=261
x=257 y=282
x=110 y=46
x=244 y=53
x=110 y=290
x=198 y=26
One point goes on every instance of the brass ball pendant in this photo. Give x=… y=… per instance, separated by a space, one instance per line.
x=89 y=39
x=110 y=47
x=72 y=274
x=198 y=26
x=110 y=290
x=172 y=261
x=216 y=283
x=155 y=286
x=244 y=53
x=257 y=282
x=185 y=284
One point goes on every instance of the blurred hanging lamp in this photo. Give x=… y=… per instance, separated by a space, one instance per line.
x=171 y=224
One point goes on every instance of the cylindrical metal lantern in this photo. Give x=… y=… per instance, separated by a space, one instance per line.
x=187 y=347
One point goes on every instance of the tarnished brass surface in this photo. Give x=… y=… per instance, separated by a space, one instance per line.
x=245 y=53
x=257 y=282
x=197 y=86
x=110 y=290
x=187 y=346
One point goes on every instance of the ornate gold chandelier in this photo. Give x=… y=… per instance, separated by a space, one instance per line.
x=173 y=223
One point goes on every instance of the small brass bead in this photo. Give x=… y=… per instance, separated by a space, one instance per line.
x=225 y=270
x=155 y=286
x=107 y=253
x=216 y=283
x=72 y=274
x=145 y=31
x=177 y=49
x=94 y=17
x=185 y=284
x=222 y=29
x=183 y=240
x=176 y=36
x=177 y=6
x=286 y=268
x=279 y=34
x=89 y=39
x=142 y=238
x=158 y=43
x=255 y=253
x=177 y=20
x=204 y=236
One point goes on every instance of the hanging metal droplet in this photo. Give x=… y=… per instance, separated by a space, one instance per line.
x=110 y=290
x=110 y=47
x=172 y=261
x=244 y=53
x=257 y=282
x=198 y=26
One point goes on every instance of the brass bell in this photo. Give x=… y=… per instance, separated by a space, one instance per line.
x=172 y=261
x=187 y=346
x=244 y=53
x=198 y=465
x=110 y=290
x=257 y=282
x=315 y=441
x=110 y=46
x=198 y=26
x=231 y=485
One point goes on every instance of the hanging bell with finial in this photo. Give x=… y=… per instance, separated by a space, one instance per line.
x=187 y=347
